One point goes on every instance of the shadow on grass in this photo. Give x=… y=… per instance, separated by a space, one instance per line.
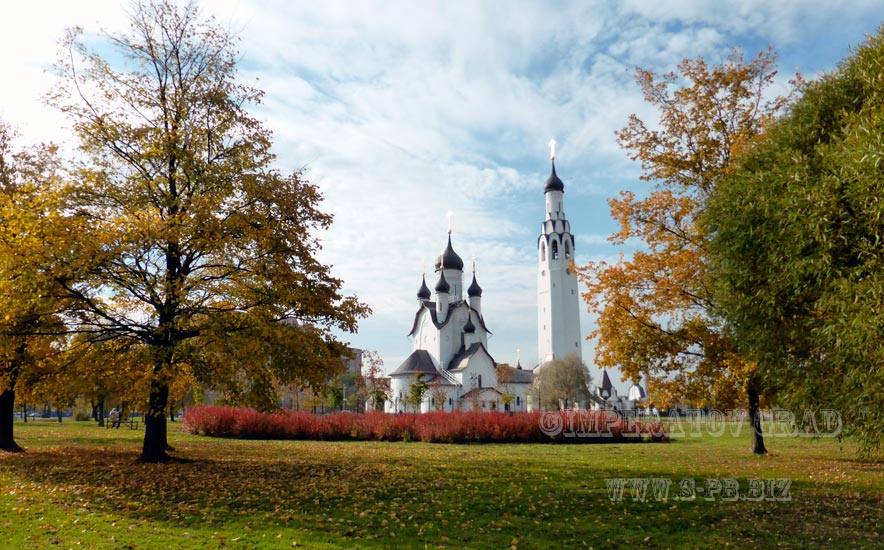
x=412 y=495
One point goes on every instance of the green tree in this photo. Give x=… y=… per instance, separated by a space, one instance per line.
x=190 y=238
x=797 y=253
x=562 y=382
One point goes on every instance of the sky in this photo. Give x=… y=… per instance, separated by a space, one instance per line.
x=404 y=111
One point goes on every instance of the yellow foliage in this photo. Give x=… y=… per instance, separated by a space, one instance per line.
x=656 y=315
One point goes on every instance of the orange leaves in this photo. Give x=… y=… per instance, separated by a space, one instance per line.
x=656 y=309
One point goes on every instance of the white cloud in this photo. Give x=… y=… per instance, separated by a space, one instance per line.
x=402 y=111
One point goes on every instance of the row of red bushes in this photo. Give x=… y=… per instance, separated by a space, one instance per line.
x=442 y=427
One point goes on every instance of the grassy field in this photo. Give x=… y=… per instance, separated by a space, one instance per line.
x=78 y=486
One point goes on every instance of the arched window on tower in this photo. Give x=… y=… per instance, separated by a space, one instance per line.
x=542 y=252
x=567 y=250
x=554 y=251
x=480 y=380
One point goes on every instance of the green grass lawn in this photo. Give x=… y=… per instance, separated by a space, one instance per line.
x=78 y=486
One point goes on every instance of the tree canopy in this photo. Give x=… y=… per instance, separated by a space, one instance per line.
x=32 y=246
x=656 y=314
x=192 y=246
x=797 y=250
x=562 y=382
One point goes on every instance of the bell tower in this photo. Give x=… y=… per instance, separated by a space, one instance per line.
x=558 y=307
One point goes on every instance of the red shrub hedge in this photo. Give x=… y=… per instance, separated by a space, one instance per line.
x=437 y=427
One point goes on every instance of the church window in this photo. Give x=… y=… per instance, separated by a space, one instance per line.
x=518 y=400
x=543 y=252
x=450 y=402
x=433 y=401
x=554 y=251
x=567 y=250
x=480 y=380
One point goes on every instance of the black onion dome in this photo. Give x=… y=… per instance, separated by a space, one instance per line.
x=469 y=327
x=475 y=289
x=424 y=292
x=553 y=183
x=442 y=285
x=449 y=258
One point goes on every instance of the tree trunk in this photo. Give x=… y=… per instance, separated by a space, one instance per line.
x=101 y=412
x=7 y=411
x=155 y=434
x=755 y=420
x=59 y=415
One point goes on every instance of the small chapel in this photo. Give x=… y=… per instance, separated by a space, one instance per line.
x=449 y=342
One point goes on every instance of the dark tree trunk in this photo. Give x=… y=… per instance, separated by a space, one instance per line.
x=59 y=415
x=172 y=412
x=7 y=411
x=24 y=412
x=155 y=433
x=101 y=412
x=755 y=420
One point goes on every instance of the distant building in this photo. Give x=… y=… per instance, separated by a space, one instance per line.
x=354 y=363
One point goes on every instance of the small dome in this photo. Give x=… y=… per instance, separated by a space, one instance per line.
x=553 y=183
x=442 y=285
x=449 y=258
x=424 y=292
x=469 y=328
x=475 y=289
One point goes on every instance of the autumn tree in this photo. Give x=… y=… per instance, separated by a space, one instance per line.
x=29 y=324
x=656 y=310
x=190 y=237
x=505 y=376
x=562 y=383
x=371 y=384
x=797 y=256
x=438 y=394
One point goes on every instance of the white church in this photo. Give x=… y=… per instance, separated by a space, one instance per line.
x=449 y=335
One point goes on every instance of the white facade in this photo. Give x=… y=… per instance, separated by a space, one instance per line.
x=449 y=341
x=558 y=299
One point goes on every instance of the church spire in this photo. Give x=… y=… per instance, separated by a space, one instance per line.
x=553 y=183
x=423 y=292
x=475 y=289
x=449 y=258
x=475 y=293
x=442 y=285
